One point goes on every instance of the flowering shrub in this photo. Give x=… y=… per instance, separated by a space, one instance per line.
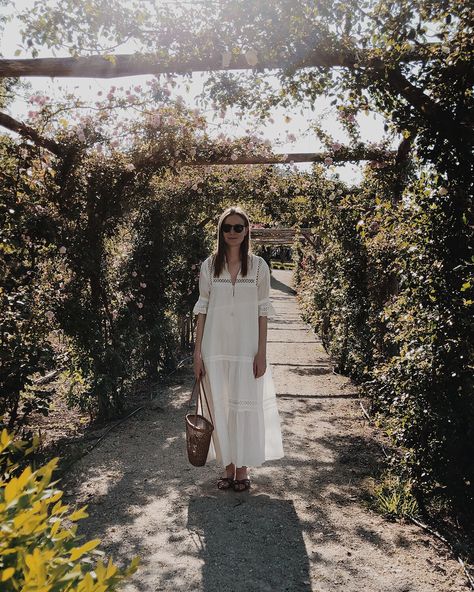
x=40 y=549
x=121 y=238
x=392 y=308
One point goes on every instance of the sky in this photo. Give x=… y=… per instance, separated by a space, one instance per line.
x=371 y=126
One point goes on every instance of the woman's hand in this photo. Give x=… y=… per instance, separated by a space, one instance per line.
x=259 y=364
x=198 y=365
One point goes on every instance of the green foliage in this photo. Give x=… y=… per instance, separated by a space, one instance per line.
x=118 y=238
x=332 y=281
x=431 y=99
x=387 y=290
x=390 y=284
x=24 y=296
x=426 y=383
x=393 y=497
x=39 y=547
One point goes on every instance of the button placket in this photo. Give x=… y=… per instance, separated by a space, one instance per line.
x=233 y=293
x=232 y=310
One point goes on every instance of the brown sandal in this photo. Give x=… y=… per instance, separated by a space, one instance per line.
x=238 y=482
x=225 y=483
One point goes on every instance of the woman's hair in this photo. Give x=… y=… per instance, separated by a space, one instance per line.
x=219 y=254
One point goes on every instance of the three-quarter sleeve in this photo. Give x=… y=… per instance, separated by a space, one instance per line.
x=265 y=307
x=203 y=301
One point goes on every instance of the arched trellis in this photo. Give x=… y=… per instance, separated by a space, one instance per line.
x=113 y=66
x=393 y=77
x=110 y=66
x=345 y=155
x=129 y=65
x=280 y=236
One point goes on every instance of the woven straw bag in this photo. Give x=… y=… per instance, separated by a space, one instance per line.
x=198 y=429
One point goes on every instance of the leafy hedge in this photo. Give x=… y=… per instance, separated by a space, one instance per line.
x=390 y=300
x=25 y=242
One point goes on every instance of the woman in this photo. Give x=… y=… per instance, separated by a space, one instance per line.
x=230 y=353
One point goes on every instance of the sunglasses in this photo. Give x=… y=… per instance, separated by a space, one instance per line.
x=237 y=227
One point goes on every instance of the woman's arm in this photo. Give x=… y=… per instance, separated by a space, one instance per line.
x=260 y=360
x=197 y=363
x=201 y=320
x=200 y=309
x=265 y=310
x=262 y=335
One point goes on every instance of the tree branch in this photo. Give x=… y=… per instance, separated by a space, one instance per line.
x=455 y=131
x=113 y=66
x=29 y=133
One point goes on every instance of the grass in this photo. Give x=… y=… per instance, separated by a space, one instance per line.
x=393 y=497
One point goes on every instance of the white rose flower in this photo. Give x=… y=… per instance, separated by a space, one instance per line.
x=251 y=57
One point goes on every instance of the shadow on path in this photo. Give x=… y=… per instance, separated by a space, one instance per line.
x=276 y=558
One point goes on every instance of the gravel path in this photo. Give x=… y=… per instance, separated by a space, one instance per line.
x=305 y=526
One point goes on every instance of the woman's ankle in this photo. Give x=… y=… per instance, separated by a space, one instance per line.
x=230 y=470
x=241 y=472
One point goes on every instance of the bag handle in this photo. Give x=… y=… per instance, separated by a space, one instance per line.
x=199 y=382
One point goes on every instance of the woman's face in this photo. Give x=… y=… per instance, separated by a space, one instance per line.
x=232 y=237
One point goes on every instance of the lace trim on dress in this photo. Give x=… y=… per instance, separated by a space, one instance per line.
x=265 y=309
x=258 y=269
x=229 y=358
x=201 y=305
x=243 y=405
x=209 y=267
x=237 y=281
x=246 y=280
x=246 y=405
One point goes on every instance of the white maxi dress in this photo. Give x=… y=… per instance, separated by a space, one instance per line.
x=244 y=409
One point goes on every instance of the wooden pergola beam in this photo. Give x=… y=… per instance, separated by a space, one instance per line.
x=115 y=66
x=29 y=133
x=345 y=156
x=280 y=236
